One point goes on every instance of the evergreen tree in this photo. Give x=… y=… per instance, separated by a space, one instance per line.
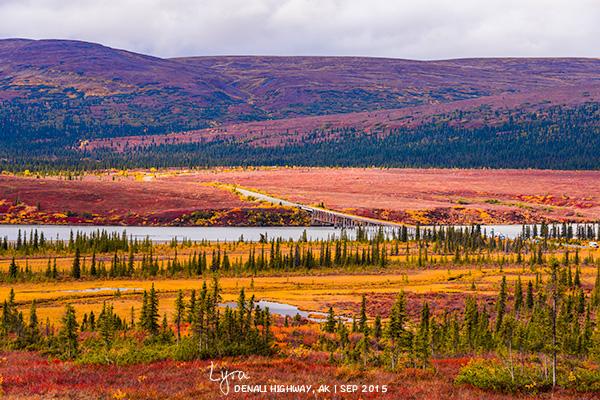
x=596 y=290
x=33 y=326
x=501 y=304
x=422 y=341
x=165 y=332
x=13 y=269
x=192 y=307
x=151 y=313
x=76 y=268
x=396 y=331
x=518 y=295
x=144 y=311
x=68 y=333
x=529 y=299
x=93 y=270
x=106 y=322
x=330 y=323
x=179 y=313
x=362 y=326
x=377 y=327
x=554 y=290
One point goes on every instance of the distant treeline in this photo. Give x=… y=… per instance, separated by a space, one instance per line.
x=100 y=255
x=557 y=138
x=33 y=241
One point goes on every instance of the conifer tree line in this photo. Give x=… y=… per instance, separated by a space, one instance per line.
x=551 y=318
x=101 y=241
x=556 y=137
x=201 y=326
x=547 y=321
x=102 y=255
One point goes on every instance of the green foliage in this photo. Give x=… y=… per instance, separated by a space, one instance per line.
x=582 y=379
x=526 y=378
x=76 y=268
x=179 y=313
x=107 y=324
x=149 y=312
x=556 y=137
x=331 y=322
x=68 y=334
x=362 y=324
x=124 y=351
x=492 y=375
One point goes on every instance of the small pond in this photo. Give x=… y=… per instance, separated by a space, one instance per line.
x=288 y=310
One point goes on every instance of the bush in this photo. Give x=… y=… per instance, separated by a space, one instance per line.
x=124 y=352
x=583 y=380
x=492 y=375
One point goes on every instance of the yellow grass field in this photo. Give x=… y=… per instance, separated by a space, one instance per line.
x=309 y=293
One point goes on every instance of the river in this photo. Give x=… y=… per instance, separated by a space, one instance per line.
x=222 y=234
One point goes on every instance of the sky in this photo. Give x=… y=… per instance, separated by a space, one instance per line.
x=415 y=29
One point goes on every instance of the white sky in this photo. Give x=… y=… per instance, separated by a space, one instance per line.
x=415 y=29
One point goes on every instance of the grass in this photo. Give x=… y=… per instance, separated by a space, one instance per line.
x=308 y=292
x=444 y=285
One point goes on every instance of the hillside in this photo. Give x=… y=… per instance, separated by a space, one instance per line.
x=57 y=96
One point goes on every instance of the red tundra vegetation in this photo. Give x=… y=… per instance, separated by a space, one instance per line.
x=27 y=375
x=429 y=196
x=139 y=199
x=198 y=197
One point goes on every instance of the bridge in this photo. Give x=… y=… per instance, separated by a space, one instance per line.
x=321 y=215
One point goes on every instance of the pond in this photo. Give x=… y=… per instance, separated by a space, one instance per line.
x=288 y=310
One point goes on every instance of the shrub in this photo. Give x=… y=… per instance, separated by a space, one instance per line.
x=492 y=375
x=583 y=379
x=124 y=352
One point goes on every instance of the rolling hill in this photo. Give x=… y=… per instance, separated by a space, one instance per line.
x=78 y=102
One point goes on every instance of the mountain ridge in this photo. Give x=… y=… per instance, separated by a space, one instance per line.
x=223 y=89
x=73 y=101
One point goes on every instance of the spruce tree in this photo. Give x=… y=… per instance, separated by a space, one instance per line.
x=501 y=304
x=76 y=268
x=191 y=307
x=422 y=341
x=395 y=330
x=93 y=270
x=554 y=290
x=518 y=295
x=529 y=299
x=13 y=269
x=54 y=269
x=144 y=311
x=596 y=290
x=179 y=313
x=330 y=323
x=165 y=332
x=362 y=326
x=107 y=324
x=377 y=327
x=68 y=333
x=33 y=326
x=152 y=312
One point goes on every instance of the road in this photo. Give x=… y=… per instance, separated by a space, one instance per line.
x=321 y=213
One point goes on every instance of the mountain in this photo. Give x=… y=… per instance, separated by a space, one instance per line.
x=296 y=86
x=59 y=95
